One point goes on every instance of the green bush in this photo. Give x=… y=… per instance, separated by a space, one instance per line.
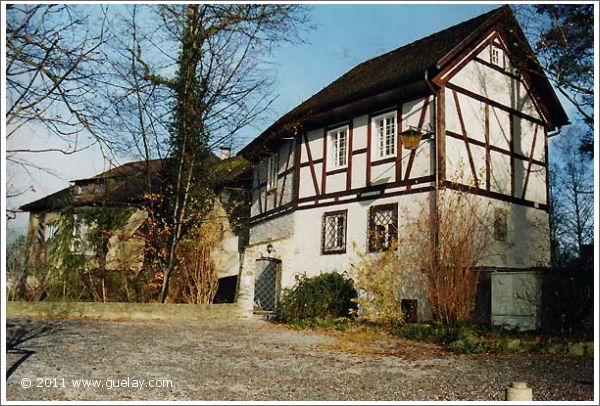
x=327 y=296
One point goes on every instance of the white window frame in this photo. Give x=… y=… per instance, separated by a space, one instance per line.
x=496 y=52
x=50 y=230
x=335 y=159
x=272 y=171
x=379 y=143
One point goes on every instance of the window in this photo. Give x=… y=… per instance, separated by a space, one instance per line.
x=51 y=230
x=385 y=130
x=500 y=224
x=338 y=144
x=497 y=56
x=80 y=189
x=333 y=239
x=40 y=232
x=90 y=188
x=272 y=171
x=79 y=243
x=383 y=227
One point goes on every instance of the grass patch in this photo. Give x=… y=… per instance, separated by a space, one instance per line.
x=465 y=338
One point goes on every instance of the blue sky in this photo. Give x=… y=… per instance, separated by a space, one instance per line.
x=344 y=36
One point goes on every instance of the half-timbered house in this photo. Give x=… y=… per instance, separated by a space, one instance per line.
x=333 y=170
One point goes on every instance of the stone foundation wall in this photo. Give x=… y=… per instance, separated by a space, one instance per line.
x=128 y=311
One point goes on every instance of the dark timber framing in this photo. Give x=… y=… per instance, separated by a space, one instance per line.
x=465 y=137
x=311 y=164
x=413 y=153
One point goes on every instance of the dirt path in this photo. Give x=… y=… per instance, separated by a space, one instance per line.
x=254 y=360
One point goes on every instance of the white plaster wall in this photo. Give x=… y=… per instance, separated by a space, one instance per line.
x=492 y=84
x=359 y=132
x=536 y=186
x=411 y=113
x=335 y=183
x=499 y=128
x=384 y=173
x=424 y=164
x=458 y=166
x=302 y=253
x=499 y=172
x=296 y=238
x=359 y=165
x=315 y=140
x=523 y=132
x=528 y=242
x=306 y=185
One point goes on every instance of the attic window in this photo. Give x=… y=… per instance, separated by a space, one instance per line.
x=497 y=56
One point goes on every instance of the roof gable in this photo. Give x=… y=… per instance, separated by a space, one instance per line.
x=405 y=65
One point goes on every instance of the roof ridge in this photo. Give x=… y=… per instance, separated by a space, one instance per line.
x=419 y=41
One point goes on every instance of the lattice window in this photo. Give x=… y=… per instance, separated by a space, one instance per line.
x=383 y=227
x=338 y=141
x=333 y=239
x=385 y=128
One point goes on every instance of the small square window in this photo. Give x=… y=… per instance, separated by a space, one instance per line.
x=497 y=56
x=333 y=239
x=338 y=145
x=383 y=227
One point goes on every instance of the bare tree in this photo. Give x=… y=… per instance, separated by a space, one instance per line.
x=572 y=187
x=218 y=89
x=563 y=40
x=51 y=72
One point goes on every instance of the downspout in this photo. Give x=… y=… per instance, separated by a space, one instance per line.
x=436 y=195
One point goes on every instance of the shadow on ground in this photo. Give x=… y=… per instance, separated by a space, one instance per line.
x=18 y=334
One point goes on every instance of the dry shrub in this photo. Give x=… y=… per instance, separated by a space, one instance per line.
x=461 y=239
x=381 y=284
x=461 y=236
x=196 y=277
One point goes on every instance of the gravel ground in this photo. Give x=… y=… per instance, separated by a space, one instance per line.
x=256 y=360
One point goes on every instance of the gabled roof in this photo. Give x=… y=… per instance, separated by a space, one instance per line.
x=128 y=183
x=402 y=66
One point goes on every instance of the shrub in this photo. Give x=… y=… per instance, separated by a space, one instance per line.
x=329 y=295
x=381 y=284
x=459 y=239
